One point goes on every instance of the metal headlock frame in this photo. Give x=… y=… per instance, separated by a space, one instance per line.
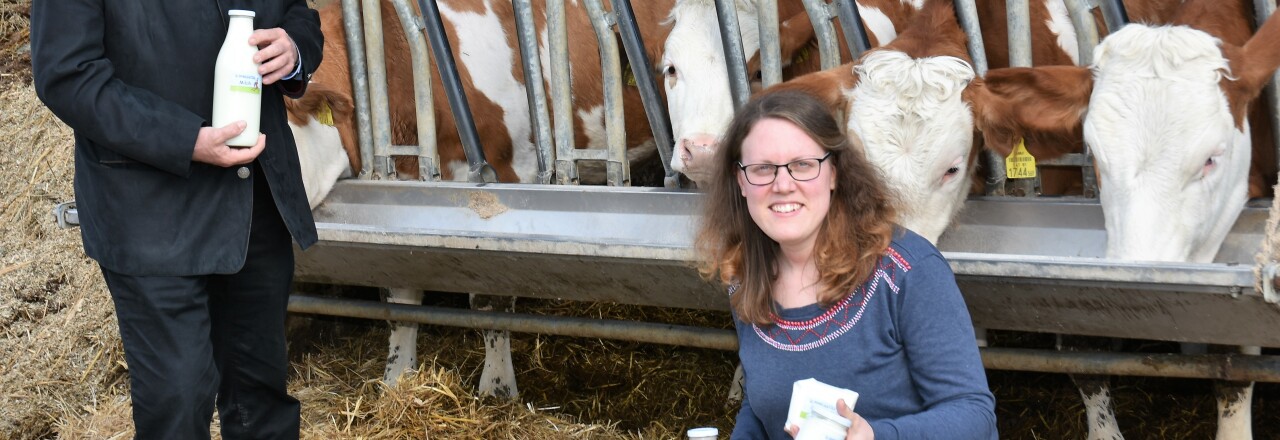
x=1229 y=367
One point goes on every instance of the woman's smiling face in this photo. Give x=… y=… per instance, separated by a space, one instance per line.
x=789 y=211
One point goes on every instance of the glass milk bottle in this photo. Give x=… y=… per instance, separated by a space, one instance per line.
x=237 y=86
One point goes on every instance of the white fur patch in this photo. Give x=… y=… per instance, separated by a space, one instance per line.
x=1157 y=114
x=1059 y=24
x=322 y=158
x=878 y=24
x=699 y=101
x=914 y=126
x=1100 y=415
x=482 y=49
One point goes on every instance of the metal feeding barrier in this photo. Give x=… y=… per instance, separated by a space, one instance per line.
x=1024 y=264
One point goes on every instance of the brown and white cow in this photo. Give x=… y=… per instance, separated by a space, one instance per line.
x=483 y=37
x=906 y=102
x=694 y=67
x=1164 y=110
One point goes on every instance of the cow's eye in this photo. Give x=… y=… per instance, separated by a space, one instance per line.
x=1209 y=164
x=669 y=71
x=953 y=170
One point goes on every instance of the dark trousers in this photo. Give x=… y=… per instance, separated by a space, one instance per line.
x=190 y=341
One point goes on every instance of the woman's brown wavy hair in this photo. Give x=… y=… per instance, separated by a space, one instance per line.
x=852 y=238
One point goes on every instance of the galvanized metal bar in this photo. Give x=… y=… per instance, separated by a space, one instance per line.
x=770 y=48
x=1081 y=15
x=659 y=122
x=1263 y=10
x=617 y=171
x=423 y=99
x=1018 y=17
x=820 y=15
x=1086 y=39
x=379 y=106
x=967 y=15
x=1222 y=367
x=1233 y=367
x=1114 y=14
x=561 y=97
x=535 y=89
x=1019 y=22
x=855 y=34
x=351 y=24
x=734 y=55
x=647 y=332
x=479 y=168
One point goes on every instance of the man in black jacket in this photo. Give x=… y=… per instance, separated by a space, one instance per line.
x=193 y=237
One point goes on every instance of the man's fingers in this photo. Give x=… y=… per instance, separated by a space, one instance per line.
x=261 y=36
x=241 y=156
x=223 y=134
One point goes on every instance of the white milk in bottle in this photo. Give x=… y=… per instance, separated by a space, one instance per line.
x=237 y=86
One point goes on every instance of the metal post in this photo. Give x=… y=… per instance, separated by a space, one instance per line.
x=379 y=108
x=731 y=42
x=770 y=49
x=828 y=46
x=855 y=34
x=562 y=104
x=1114 y=14
x=1019 y=18
x=659 y=123
x=1087 y=39
x=616 y=170
x=480 y=171
x=967 y=15
x=359 y=83
x=1263 y=11
x=424 y=101
x=535 y=91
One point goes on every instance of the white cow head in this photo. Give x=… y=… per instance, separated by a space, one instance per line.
x=1173 y=165
x=696 y=81
x=322 y=158
x=1163 y=110
x=915 y=126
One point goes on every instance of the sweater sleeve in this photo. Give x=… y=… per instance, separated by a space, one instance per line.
x=937 y=334
x=746 y=425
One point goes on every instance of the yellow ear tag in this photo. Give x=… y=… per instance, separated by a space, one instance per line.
x=628 y=77
x=1020 y=164
x=325 y=114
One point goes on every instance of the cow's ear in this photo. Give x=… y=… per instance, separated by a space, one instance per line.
x=1044 y=105
x=794 y=35
x=1253 y=65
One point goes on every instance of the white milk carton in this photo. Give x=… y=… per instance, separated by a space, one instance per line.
x=807 y=393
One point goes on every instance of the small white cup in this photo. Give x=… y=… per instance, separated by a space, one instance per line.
x=704 y=434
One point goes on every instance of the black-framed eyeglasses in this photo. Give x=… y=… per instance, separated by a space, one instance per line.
x=801 y=170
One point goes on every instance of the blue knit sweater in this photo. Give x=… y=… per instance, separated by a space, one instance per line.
x=903 y=340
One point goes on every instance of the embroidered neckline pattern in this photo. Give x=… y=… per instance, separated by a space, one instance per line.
x=807 y=335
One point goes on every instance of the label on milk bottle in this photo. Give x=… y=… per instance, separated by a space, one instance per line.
x=246 y=83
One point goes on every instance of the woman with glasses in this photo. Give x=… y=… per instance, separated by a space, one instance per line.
x=823 y=285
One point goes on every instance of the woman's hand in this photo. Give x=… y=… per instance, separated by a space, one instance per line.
x=859 y=429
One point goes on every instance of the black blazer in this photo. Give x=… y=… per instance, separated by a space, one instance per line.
x=134 y=79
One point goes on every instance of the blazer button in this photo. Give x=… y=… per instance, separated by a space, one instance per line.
x=243 y=172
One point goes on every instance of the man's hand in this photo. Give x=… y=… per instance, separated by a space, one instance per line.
x=211 y=146
x=277 y=56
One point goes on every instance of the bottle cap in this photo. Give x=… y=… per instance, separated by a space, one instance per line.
x=703 y=432
x=241 y=13
x=832 y=415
